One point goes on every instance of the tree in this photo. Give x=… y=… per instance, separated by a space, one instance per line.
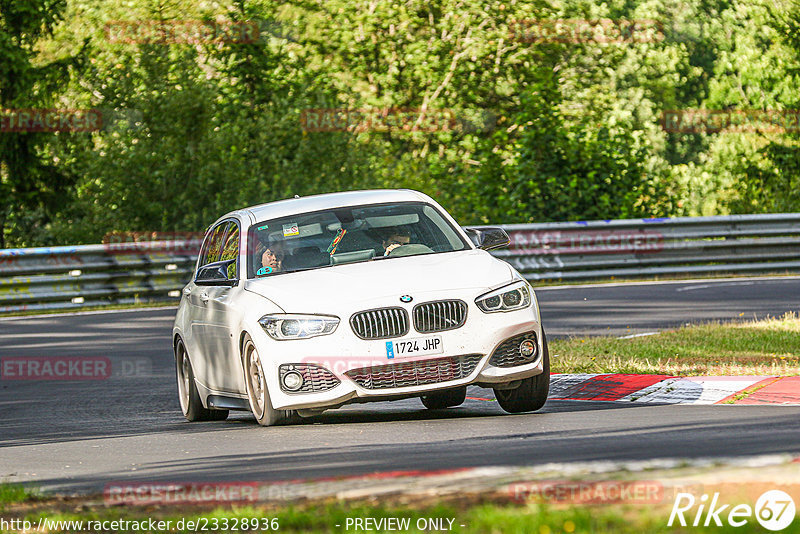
x=32 y=187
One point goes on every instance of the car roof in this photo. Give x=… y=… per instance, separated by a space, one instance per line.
x=283 y=208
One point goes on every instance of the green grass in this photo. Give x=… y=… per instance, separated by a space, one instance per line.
x=15 y=493
x=487 y=511
x=766 y=347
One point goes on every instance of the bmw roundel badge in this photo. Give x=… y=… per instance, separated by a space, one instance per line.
x=406 y=298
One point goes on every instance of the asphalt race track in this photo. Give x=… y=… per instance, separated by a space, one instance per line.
x=80 y=436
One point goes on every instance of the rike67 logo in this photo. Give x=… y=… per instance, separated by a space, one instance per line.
x=774 y=510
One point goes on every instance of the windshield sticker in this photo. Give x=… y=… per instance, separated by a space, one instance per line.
x=290 y=230
x=336 y=240
x=264 y=270
x=263 y=227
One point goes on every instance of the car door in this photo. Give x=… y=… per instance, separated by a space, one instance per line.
x=197 y=296
x=224 y=316
x=212 y=322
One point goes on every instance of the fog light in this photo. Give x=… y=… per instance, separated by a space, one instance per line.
x=292 y=381
x=527 y=348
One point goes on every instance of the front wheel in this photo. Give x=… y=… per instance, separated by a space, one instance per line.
x=191 y=405
x=532 y=392
x=257 y=390
x=445 y=399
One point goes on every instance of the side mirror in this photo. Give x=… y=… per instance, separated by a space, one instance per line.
x=488 y=237
x=215 y=274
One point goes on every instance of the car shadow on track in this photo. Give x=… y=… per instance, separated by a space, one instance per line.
x=308 y=452
x=89 y=420
x=412 y=410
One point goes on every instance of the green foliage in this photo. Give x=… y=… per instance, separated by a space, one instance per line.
x=547 y=130
x=31 y=186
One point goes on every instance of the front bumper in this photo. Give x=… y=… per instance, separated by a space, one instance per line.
x=346 y=356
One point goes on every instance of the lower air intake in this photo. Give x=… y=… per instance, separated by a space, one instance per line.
x=508 y=354
x=416 y=373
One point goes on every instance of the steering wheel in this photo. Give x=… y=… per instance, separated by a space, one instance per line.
x=412 y=249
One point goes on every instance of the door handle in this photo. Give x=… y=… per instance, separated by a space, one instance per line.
x=204 y=297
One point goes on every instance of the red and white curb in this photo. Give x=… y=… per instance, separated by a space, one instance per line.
x=667 y=389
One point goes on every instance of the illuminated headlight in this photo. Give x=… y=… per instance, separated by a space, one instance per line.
x=285 y=326
x=512 y=297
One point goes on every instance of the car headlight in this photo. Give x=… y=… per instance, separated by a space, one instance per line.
x=511 y=297
x=286 y=326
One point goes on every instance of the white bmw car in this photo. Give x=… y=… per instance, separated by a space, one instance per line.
x=307 y=304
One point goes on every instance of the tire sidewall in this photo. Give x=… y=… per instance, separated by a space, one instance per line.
x=194 y=409
x=532 y=393
x=270 y=416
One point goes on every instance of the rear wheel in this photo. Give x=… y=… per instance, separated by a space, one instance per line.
x=191 y=405
x=445 y=399
x=257 y=390
x=532 y=392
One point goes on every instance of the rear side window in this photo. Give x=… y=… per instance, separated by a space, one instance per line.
x=231 y=249
x=213 y=244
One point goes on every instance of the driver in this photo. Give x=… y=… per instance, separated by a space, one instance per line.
x=396 y=237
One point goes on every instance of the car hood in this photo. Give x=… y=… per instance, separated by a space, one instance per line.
x=330 y=289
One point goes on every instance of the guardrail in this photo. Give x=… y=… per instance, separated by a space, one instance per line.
x=94 y=275
x=121 y=273
x=651 y=247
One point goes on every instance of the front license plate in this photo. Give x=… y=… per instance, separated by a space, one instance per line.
x=420 y=346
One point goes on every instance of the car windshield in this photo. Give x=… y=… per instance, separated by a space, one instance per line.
x=348 y=235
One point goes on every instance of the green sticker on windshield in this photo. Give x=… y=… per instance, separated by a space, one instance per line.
x=263 y=227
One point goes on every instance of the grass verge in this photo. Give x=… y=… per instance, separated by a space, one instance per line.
x=469 y=514
x=630 y=499
x=15 y=493
x=766 y=347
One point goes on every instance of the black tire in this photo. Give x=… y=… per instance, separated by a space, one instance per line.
x=257 y=391
x=189 y=398
x=532 y=392
x=445 y=399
